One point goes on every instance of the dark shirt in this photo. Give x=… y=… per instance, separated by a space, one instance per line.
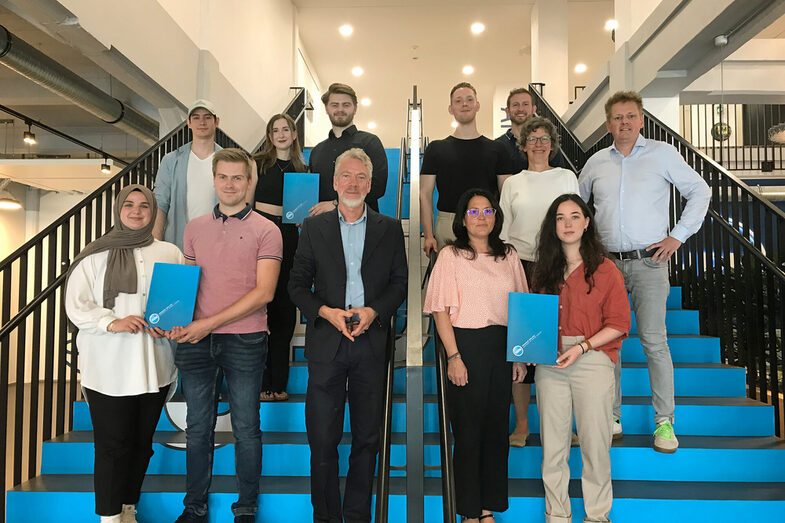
x=460 y=165
x=269 y=188
x=520 y=161
x=325 y=153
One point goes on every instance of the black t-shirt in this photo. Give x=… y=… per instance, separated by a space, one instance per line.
x=460 y=165
x=269 y=188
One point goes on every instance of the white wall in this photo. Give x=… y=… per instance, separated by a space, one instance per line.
x=12 y=222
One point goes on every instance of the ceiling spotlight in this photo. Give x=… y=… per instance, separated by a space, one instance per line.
x=357 y=71
x=454 y=124
x=106 y=168
x=478 y=27
x=346 y=30
x=8 y=202
x=611 y=25
x=468 y=69
x=580 y=68
x=365 y=102
x=29 y=137
x=371 y=125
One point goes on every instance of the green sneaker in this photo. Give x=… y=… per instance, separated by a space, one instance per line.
x=664 y=439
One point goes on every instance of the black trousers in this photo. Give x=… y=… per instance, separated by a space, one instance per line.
x=356 y=372
x=123 y=428
x=281 y=315
x=528 y=270
x=480 y=416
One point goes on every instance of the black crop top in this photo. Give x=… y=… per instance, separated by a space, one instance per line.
x=269 y=188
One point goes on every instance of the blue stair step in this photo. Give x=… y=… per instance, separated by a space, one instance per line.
x=677 y=321
x=686 y=348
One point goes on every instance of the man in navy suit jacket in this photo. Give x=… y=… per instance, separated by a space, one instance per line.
x=348 y=279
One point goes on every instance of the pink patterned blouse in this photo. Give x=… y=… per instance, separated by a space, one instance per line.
x=474 y=292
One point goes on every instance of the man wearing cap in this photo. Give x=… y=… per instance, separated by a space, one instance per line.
x=184 y=183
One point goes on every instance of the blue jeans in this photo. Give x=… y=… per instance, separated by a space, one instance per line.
x=240 y=357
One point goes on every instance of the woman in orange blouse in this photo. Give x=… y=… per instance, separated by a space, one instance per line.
x=594 y=317
x=467 y=296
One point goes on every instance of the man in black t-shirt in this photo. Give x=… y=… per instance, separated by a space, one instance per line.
x=462 y=161
x=520 y=107
x=340 y=103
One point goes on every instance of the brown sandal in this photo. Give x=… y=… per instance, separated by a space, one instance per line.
x=280 y=396
x=267 y=396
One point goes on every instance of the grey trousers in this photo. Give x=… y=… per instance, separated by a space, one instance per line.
x=585 y=388
x=442 y=231
x=647 y=282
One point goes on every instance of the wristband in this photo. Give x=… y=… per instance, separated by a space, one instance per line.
x=588 y=344
x=454 y=356
x=583 y=350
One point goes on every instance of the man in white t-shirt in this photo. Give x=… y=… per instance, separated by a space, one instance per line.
x=184 y=183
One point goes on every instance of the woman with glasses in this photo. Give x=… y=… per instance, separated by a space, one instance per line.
x=467 y=296
x=524 y=199
x=280 y=154
x=594 y=317
x=127 y=368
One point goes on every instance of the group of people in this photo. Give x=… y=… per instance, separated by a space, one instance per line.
x=534 y=231
x=345 y=269
x=219 y=209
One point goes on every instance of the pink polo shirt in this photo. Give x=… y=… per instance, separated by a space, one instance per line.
x=227 y=250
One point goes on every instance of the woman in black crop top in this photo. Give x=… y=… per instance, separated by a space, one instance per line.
x=280 y=153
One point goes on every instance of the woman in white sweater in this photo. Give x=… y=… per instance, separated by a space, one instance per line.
x=127 y=369
x=524 y=201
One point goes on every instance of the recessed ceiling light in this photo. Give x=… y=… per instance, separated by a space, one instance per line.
x=357 y=71
x=346 y=30
x=478 y=27
x=580 y=68
x=454 y=124
x=468 y=69
x=371 y=125
x=365 y=101
x=611 y=25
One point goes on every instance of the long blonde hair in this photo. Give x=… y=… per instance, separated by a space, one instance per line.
x=267 y=156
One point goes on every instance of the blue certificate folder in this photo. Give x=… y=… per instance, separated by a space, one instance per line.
x=532 y=328
x=172 y=295
x=300 y=193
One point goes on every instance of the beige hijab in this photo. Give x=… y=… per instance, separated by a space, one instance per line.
x=120 y=241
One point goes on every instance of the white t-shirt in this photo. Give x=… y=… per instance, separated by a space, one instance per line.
x=200 y=197
x=524 y=201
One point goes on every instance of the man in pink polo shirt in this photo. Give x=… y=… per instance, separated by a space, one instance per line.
x=239 y=253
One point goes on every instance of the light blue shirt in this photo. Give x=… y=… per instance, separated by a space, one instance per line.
x=632 y=194
x=353 y=240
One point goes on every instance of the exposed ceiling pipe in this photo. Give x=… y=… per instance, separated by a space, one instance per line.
x=23 y=58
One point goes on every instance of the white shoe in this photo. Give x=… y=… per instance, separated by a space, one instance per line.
x=617 y=432
x=117 y=518
x=129 y=514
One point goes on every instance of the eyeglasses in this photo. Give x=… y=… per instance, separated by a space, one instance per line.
x=475 y=213
x=534 y=139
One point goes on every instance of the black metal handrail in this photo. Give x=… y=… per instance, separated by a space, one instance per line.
x=731 y=270
x=383 y=479
x=296 y=110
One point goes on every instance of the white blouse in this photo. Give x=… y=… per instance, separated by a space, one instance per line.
x=119 y=364
x=524 y=201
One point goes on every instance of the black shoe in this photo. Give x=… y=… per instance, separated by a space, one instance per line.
x=245 y=518
x=188 y=516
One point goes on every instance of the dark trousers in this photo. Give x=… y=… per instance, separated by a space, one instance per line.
x=480 y=416
x=528 y=270
x=241 y=359
x=123 y=428
x=356 y=372
x=281 y=316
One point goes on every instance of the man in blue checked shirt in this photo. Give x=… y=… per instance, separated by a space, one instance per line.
x=631 y=185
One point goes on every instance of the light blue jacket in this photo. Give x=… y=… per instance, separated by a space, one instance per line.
x=171 y=192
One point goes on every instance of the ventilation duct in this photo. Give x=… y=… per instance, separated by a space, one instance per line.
x=21 y=57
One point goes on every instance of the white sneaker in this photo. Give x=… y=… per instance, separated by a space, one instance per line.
x=117 y=518
x=617 y=432
x=664 y=439
x=129 y=514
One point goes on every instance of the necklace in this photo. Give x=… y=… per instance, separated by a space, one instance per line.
x=278 y=163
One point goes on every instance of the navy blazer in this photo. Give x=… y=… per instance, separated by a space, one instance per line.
x=318 y=277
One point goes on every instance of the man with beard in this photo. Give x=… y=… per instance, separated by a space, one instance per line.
x=462 y=161
x=348 y=279
x=520 y=107
x=340 y=103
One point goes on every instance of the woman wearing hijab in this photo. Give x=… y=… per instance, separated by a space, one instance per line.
x=127 y=369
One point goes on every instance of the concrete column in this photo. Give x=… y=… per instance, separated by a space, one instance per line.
x=549 y=51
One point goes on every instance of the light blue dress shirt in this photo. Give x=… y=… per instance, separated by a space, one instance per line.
x=353 y=240
x=632 y=194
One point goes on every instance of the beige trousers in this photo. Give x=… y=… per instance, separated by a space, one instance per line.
x=442 y=231
x=587 y=388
